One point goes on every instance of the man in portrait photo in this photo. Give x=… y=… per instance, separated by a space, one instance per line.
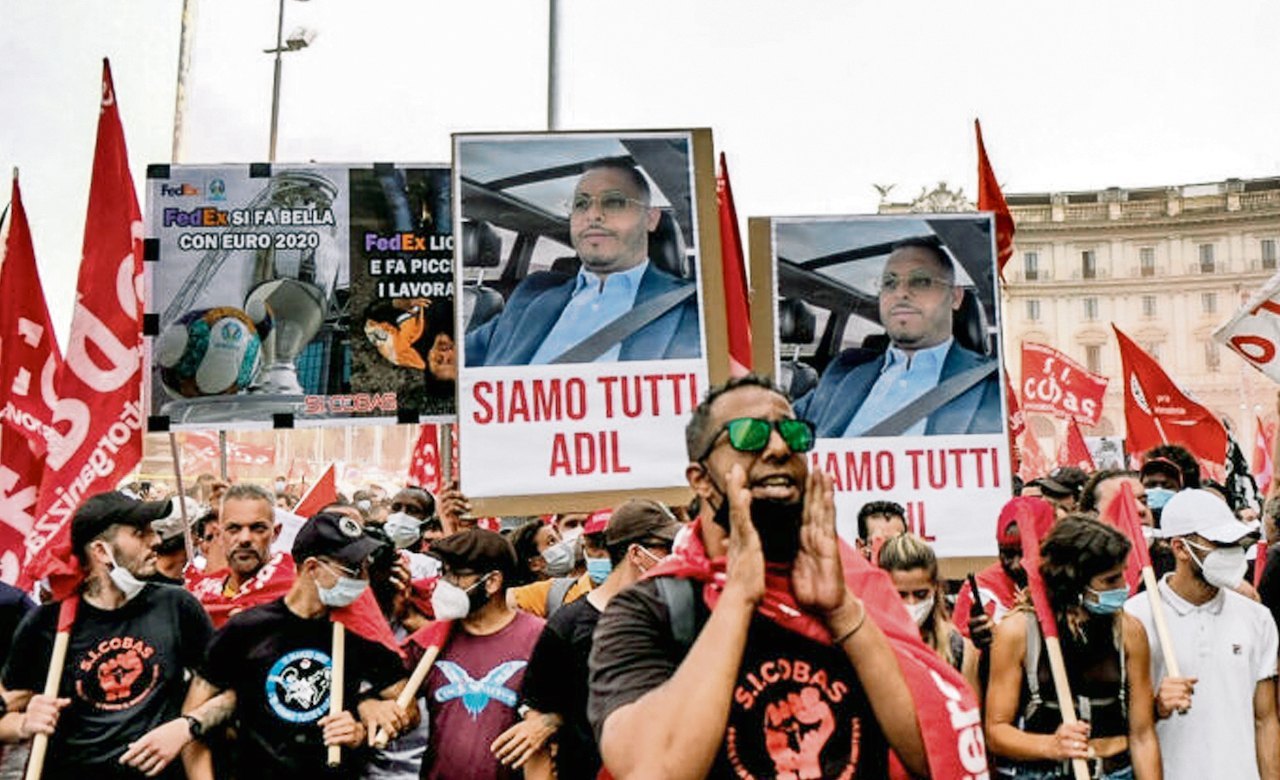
x=925 y=382
x=619 y=305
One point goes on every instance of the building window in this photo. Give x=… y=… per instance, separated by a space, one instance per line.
x=1152 y=349
x=1206 y=258
x=1147 y=261
x=1209 y=303
x=1093 y=358
x=1091 y=308
x=1089 y=264
x=1031 y=265
x=1269 y=253
x=1212 y=359
x=1033 y=309
x=1148 y=306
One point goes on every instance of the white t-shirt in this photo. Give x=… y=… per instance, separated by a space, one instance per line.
x=1230 y=644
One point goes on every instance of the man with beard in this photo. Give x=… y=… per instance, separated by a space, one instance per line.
x=781 y=673
x=1219 y=718
x=861 y=387
x=610 y=218
x=998 y=585
x=132 y=643
x=253 y=574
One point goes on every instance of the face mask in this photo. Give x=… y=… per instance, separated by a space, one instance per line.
x=921 y=610
x=1109 y=601
x=280 y=487
x=128 y=584
x=402 y=529
x=364 y=505
x=343 y=592
x=1148 y=533
x=571 y=534
x=559 y=558
x=598 y=569
x=449 y=602
x=1222 y=567
x=777 y=523
x=1158 y=497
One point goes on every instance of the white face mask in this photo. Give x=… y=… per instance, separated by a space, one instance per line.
x=128 y=584
x=449 y=602
x=571 y=534
x=280 y=486
x=1223 y=567
x=403 y=529
x=345 y=591
x=921 y=610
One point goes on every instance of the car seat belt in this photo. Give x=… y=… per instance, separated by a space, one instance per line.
x=624 y=326
x=898 y=422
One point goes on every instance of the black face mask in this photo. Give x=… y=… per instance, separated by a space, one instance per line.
x=777 y=523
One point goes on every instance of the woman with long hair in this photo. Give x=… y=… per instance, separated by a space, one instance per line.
x=913 y=566
x=1106 y=657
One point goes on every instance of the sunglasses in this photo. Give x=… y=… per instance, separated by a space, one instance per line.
x=751 y=434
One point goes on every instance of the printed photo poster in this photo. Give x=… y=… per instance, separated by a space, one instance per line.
x=580 y=285
x=887 y=337
x=298 y=295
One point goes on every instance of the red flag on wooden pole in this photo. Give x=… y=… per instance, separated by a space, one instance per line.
x=990 y=198
x=734 y=270
x=322 y=493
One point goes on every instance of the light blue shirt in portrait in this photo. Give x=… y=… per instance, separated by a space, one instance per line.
x=596 y=301
x=903 y=379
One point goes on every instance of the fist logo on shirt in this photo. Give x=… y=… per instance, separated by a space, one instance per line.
x=117 y=675
x=796 y=729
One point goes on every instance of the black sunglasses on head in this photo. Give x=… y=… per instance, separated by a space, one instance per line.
x=751 y=434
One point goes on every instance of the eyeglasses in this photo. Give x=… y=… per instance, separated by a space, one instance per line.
x=337 y=568
x=751 y=434
x=919 y=283
x=610 y=203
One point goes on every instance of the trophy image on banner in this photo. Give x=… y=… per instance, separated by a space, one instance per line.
x=229 y=340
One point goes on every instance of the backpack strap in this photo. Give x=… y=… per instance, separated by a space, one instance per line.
x=560 y=587
x=677 y=595
x=1031 y=668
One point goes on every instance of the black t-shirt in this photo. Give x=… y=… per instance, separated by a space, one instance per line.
x=798 y=709
x=124 y=673
x=279 y=666
x=556 y=681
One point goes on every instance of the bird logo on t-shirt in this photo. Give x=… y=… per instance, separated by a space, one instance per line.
x=476 y=694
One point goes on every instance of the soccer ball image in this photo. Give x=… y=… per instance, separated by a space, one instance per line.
x=208 y=352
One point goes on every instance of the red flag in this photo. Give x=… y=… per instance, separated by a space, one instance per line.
x=733 y=267
x=990 y=198
x=30 y=358
x=1259 y=562
x=20 y=471
x=363 y=618
x=99 y=436
x=434 y=633
x=271 y=582
x=1157 y=412
x=1017 y=423
x=424 y=466
x=1034 y=517
x=1074 y=452
x=322 y=493
x=1122 y=513
x=1263 y=445
x=946 y=709
x=1052 y=382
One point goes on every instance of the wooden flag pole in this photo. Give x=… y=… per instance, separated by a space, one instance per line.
x=61 y=640
x=1062 y=688
x=336 y=681
x=410 y=692
x=182 y=498
x=1162 y=626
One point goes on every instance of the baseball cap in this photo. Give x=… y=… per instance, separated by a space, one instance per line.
x=1162 y=466
x=476 y=550
x=1063 y=481
x=597 y=521
x=100 y=512
x=333 y=536
x=641 y=519
x=170 y=526
x=1201 y=512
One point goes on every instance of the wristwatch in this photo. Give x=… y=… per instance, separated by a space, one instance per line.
x=194 y=724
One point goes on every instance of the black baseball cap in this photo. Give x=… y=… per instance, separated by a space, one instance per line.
x=1063 y=481
x=335 y=536
x=476 y=550
x=100 y=512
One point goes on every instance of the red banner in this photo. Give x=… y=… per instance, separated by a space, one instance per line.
x=990 y=198
x=20 y=470
x=200 y=453
x=424 y=467
x=1157 y=412
x=1058 y=385
x=98 y=440
x=30 y=358
x=733 y=268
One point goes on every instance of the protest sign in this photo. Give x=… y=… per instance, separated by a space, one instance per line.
x=1254 y=331
x=581 y=270
x=298 y=295
x=887 y=329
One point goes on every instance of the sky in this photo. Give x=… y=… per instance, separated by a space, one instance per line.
x=813 y=101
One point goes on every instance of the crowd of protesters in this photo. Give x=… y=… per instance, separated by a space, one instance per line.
x=735 y=637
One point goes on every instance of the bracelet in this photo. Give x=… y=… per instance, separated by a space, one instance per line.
x=853 y=630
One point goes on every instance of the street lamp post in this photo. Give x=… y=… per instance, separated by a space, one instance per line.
x=299 y=39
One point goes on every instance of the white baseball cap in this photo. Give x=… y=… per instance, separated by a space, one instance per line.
x=1204 y=513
